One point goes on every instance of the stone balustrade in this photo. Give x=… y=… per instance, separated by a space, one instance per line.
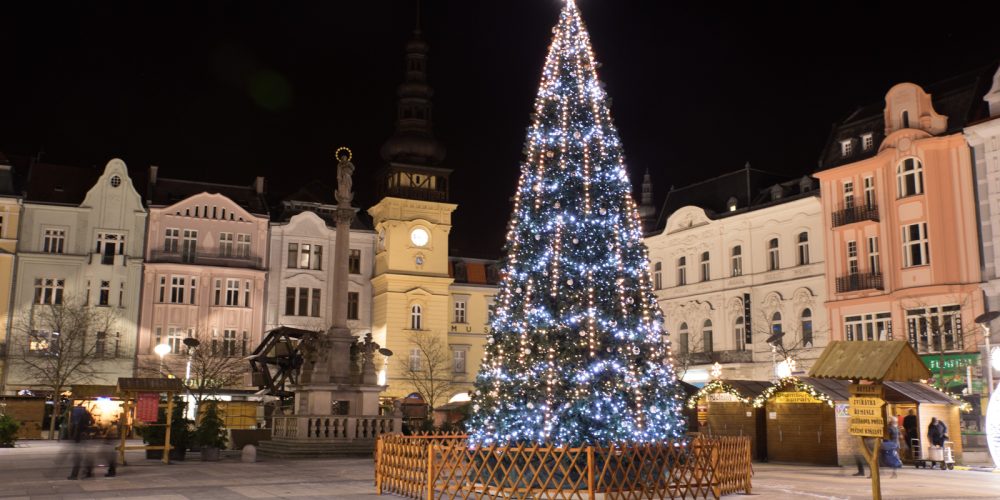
x=334 y=427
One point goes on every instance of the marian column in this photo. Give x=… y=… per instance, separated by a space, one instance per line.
x=339 y=334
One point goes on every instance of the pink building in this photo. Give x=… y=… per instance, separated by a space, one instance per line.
x=205 y=270
x=902 y=237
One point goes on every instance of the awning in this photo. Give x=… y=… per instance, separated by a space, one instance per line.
x=921 y=393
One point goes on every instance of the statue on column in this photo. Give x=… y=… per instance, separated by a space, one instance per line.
x=345 y=169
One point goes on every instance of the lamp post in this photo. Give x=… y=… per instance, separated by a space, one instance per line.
x=162 y=350
x=192 y=344
x=984 y=320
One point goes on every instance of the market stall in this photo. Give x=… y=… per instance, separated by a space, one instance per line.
x=725 y=408
x=801 y=421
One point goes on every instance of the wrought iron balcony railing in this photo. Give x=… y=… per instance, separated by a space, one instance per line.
x=859 y=281
x=207 y=259
x=855 y=213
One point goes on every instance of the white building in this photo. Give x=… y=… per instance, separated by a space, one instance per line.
x=738 y=259
x=300 y=278
x=81 y=243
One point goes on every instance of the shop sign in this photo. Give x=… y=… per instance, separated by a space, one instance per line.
x=147 y=406
x=794 y=397
x=951 y=361
x=722 y=397
x=866 y=411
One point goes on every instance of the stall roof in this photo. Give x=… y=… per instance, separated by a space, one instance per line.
x=150 y=385
x=870 y=360
x=88 y=391
x=921 y=393
x=837 y=390
x=748 y=388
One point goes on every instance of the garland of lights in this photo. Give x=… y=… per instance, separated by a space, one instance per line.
x=713 y=387
x=761 y=400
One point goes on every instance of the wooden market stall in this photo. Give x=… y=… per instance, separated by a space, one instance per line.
x=928 y=402
x=141 y=399
x=29 y=411
x=725 y=408
x=801 y=420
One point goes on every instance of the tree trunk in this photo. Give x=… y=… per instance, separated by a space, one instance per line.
x=56 y=411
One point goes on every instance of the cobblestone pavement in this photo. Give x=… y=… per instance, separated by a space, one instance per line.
x=38 y=470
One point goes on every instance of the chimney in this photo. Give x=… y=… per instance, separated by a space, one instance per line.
x=258 y=185
x=152 y=174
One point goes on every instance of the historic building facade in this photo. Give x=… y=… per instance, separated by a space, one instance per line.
x=10 y=217
x=300 y=276
x=80 y=246
x=901 y=236
x=206 y=266
x=738 y=271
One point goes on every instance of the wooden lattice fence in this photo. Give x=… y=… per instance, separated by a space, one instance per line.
x=446 y=467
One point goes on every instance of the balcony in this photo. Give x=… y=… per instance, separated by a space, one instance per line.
x=859 y=281
x=207 y=259
x=721 y=357
x=854 y=214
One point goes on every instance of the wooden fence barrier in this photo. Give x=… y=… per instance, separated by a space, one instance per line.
x=444 y=466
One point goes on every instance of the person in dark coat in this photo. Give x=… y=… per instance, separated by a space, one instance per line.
x=910 y=431
x=890 y=448
x=942 y=433
x=80 y=421
x=934 y=433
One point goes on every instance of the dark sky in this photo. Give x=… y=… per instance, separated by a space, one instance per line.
x=225 y=91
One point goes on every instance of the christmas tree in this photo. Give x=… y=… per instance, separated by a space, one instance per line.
x=577 y=352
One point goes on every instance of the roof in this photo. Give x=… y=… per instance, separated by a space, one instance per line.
x=128 y=384
x=162 y=191
x=870 y=360
x=318 y=197
x=752 y=189
x=748 y=388
x=918 y=392
x=92 y=391
x=959 y=98
x=64 y=184
x=474 y=271
x=836 y=390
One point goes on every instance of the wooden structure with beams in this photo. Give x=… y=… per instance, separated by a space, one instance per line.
x=129 y=390
x=870 y=363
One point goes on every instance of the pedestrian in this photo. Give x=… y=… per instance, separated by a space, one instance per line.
x=910 y=432
x=942 y=432
x=889 y=449
x=80 y=421
x=934 y=433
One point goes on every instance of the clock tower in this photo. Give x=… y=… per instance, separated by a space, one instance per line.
x=412 y=219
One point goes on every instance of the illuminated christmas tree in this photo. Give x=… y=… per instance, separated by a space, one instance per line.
x=577 y=353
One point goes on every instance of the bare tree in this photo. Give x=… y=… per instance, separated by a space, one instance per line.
x=59 y=345
x=216 y=364
x=939 y=330
x=431 y=371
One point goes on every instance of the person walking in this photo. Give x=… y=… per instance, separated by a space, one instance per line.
x=942 y=432
x=910 y=431
x=80 y=421
x=890 y=448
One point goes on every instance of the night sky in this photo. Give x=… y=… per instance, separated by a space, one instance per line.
x=226 y=91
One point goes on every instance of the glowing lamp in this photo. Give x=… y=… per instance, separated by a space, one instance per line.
x=162 y=350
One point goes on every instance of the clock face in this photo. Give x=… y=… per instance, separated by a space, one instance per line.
x=419 y=236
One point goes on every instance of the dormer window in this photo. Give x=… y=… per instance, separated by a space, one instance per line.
x=846 y=148
x=805 y=184
x=867 y=141
x=906 y=119
x=775 y=192
x=731 y=204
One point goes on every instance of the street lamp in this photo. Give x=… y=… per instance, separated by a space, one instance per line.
x=984 y=320
x=192 y=344
x=162 y=350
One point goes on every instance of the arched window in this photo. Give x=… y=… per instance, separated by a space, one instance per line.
x=706 y=271
x=658 y=276
x=415 y=317
x=682 y=339
x=741 y=335
x=910 y=177
x=803 y=247
x=906 y=119
x=773 y=259
x=681 y=271
x=737 y=261
x=706 y=336
x=776 y=328
x=807 y=328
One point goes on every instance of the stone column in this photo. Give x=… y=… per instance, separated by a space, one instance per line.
x=339 y=335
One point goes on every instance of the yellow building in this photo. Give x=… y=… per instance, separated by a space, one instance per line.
x=430 y=310
x=10 y=216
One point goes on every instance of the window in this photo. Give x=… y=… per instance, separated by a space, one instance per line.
x=303 y=301
x=290 y=301
x=175 y=339
x=658 y=276
x=243 y=245
x=869 y=192
x=807 y=327
x=681 y=271
x=873 y=262
x=293 y=255
x=317 y=257
x=171 y=240
x=867 y=141
x=706 y=336
x=491 y=309
x=848 y=194
x=739 y=331
x=935 y=329
x=776 y=330
x=706 y=270
x=873 y=326
x=737 y=261
x=218 y=292
x=458 y=360
x=232 y=292
x=49 y=290
x=246 y=293
x=682 y=339
x=194 y=287
x=54 y=241
x=225 y=244
x=163 y=289
x=108 y=245
x=415 y=360
x=852 y=257
x=189 y=246
x=415 y=317
x=910 y=177
x=803 y=247
x=846 y=147
x=354 y=261
x=104 y=299
x=43 y=342
x=177 y=290
x=773 y=259
x=353 y=304
x=305 y=256
x=1 y=226
x=101 y=344
x=915 y=247
x=906 y=119
x=229 y=343
x=460 y=311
